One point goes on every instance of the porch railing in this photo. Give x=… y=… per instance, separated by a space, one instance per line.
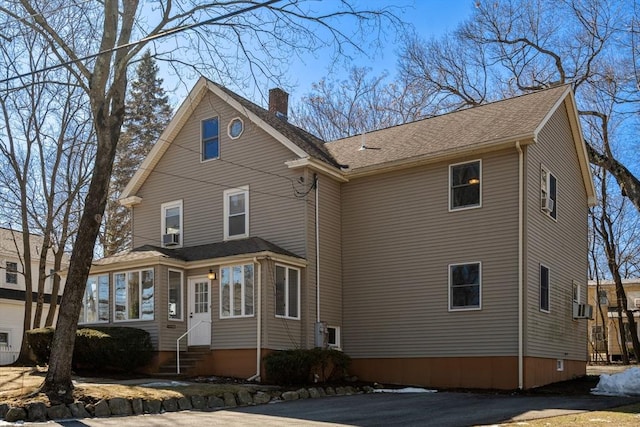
x=178 y=343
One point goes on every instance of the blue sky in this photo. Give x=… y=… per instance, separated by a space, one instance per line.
x=430 y=18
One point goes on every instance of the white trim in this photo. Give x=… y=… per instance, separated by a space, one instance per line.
x=317 y=166
x=540 y=288
x=155 y=295
x=241 y=128
x=452 y=309
x=227 y=194
x=231 y=297
x=338 y=343
x=163 y=226
x=287 y=286
x=97 y=277
x=202 y=159
x=182 y=300
x=547 y=190
x=464 y=208
x=130 y=201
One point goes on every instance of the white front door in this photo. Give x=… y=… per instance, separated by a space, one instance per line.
x=199 y=311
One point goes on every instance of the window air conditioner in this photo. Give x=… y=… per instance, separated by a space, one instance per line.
x=582 y=311
x=547 y=204
x=172 y=239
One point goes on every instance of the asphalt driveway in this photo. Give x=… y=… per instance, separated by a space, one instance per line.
x=380 y=409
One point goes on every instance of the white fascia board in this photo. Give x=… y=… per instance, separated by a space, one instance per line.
x=317 y=166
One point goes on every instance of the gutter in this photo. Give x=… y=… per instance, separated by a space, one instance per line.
x=520 y=266
x=259 y=322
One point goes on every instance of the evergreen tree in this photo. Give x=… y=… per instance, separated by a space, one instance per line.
x=147 y=114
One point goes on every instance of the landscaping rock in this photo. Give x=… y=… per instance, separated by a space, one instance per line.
x=3 y=409
x=120 y=406
x=290 y=395
x=230 y=400
x=184 y=404
x=198 y=402
x=214 y=402
x=330 y=391
x=348 y=390
x=340 y=391
x=101 y=409
x=152 y=406
x=276 y=394
x=314 y=393
x=303 y=393
x=137 y=406
x=321 y=392
x=367 y=389
x=170 y=405
x=36 y=412
x=261 y=398
x=244 y=398
x=59 y=412
x=15 y=414
x=78 y=410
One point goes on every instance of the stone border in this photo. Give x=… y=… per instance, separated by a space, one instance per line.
x=116 y=407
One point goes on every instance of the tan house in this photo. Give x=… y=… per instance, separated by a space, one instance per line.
x=447 y=252
x=605 y=324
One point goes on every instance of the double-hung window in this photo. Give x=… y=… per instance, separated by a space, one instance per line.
x=210 y=139
x=11 y=276
x=175 y=295
x=465 y=286
x=287 y=292
x=236 y=213
x=544 y=288
x=236 y=291
x=171 y=213
x=134 y=295
x=95 y=303
x=548 y=193
x=464 y=185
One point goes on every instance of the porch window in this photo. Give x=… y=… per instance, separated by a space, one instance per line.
x=464 y=183
x=175 y=295
x=95 y=303
x=4 y=339
x=544 y=288
x=134 y=295
x=236 y=213
x=12 y=273
x=465 y=286
x=287 y=292
x=236 y=291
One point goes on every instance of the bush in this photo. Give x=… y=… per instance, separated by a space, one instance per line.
x=288 y=367
x=40 y=342
x=119 y=348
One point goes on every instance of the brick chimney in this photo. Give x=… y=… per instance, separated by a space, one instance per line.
x=279 y=103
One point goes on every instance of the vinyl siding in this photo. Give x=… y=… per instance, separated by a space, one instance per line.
x=255 y=160
x=398 y=240
x=559 y=245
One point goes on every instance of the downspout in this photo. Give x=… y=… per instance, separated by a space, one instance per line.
x=520 y=266
x=316 y=183
x=259 y=322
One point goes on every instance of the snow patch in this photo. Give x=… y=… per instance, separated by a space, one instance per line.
x=404 y=390
x=625 y=383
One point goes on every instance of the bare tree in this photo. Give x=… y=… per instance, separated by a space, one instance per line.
x=43 y=128
x=96 y=43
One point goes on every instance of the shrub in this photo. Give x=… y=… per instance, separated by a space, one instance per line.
x=297 y=366
x=40 y=342
x=120 y=348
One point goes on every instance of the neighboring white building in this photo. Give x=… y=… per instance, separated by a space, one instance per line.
x=12 y=289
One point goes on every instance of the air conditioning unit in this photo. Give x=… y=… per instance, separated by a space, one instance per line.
x=171 y=239
x=582 y=311
x=547 y=204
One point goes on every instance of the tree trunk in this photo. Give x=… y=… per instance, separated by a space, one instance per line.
x=629 y=184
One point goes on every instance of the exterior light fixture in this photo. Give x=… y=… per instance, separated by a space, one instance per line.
x=211 y=275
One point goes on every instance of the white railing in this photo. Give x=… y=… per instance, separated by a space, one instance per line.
x=178 y=343
x=7 y=355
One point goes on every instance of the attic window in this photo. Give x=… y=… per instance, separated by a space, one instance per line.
x=236 y=127
x=210 y=139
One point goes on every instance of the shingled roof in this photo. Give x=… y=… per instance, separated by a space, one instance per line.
x=489 y=124
x=248 y=246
